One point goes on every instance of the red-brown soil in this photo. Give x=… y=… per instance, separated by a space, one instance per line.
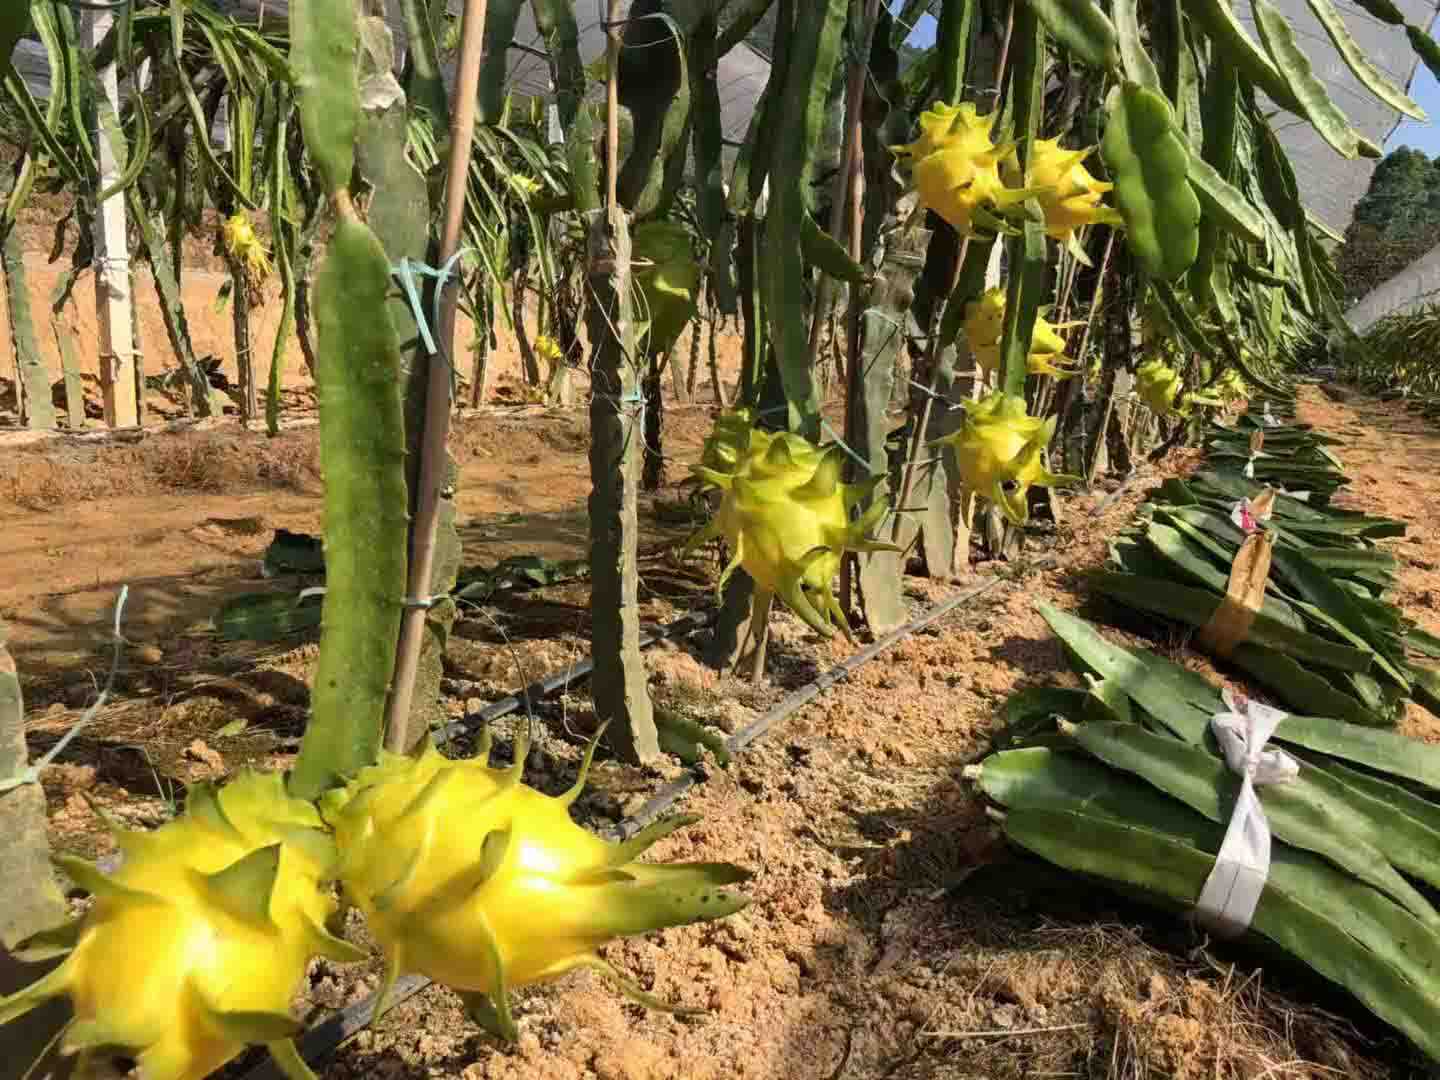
x=889 y=935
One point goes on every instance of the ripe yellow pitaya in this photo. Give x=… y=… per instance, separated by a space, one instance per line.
x=729 y=440
x=1158 y=385
x=244 y=245
x=956 y=166
x=999 y=449
x=482 y=884
x=786 y=518
x=985 y=328
x=669 y=281
x=1069 y=195
x=523 y=187
x=193 y=949
x=548 y=350
x=1231 y=386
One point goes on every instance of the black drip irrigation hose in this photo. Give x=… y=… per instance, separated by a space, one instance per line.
x=681 y=627
x=671 y=793
x=322 y=1039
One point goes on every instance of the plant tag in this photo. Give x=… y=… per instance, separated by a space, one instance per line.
x=1230 y=623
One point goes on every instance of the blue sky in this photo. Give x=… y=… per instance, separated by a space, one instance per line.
x=924 y=33
x=1425 y=90
x=1426 y=137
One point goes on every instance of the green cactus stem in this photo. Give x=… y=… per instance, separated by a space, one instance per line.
x=30 y=900
x=34 y=377
x=815 y=51
x=172 y=310
x=871 y=391
x=362 y=433
x=399 y=215
x=616 y=429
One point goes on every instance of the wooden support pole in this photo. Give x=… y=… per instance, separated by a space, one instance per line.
x=438 y=404
x=112 y=256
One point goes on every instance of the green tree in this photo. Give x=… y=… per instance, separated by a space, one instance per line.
x=1396 y=222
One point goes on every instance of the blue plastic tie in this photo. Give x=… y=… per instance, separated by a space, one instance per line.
x=406 y=271
x=825 y=426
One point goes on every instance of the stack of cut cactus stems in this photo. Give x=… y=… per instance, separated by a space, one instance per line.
x=1326 y=642
x=1123 y=782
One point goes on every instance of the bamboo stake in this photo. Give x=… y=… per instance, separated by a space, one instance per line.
x=612 y=111
x=437 y=395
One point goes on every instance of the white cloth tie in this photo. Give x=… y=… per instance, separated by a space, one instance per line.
x=1232 y=892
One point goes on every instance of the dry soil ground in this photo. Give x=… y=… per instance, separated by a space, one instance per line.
x=890 y=936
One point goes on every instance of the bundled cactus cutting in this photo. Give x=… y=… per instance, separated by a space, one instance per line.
x=1322 y=636
x=1125 y=782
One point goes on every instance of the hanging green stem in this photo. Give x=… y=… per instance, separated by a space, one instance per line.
x=172 y=309
x=815 y=50
x=1028 y=266
x=744 y=20
x=362 y=436
x=427 y=83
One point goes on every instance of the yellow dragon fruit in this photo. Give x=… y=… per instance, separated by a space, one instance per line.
x=729 y=440
x=1158 y=385
x=999 y=449
x=1231 y=386
x=786 y=518
x=669 y=280
x=956 y=166
x=244 y=245
x=985 y=327
x=1069 y=195
x=483 y=884
x=548 y=350
x=524 y=187
x=194 y=948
